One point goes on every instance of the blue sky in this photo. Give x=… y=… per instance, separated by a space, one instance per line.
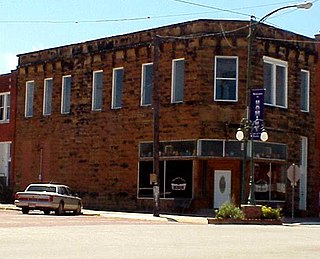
x=29 y=25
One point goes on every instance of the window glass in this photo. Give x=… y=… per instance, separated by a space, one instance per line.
x=66 y=94
x=47 y=96
x=8 y=106
x=275 y=82
x=97 y=91
x=177 y=80
x=175 y=179
x=304 y=86
x=146 y=84
x=117 y=88
x=226 y=79
x=29 y=99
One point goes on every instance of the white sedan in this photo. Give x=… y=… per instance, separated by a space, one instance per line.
x=48 y=197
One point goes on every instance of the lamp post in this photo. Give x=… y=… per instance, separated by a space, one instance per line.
x=244 y=132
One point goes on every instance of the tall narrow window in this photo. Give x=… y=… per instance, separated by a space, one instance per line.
x=97 y=90
x=177 y=80
x=29 y=99
x=226 y=79
x=146 y=84
x=4 y=107
x=66 y=94
x=47 y=96
x=275 y=82
x=117 y=86
x=304 y=87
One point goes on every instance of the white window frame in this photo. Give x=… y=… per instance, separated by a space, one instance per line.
x=144 y=85
x=236 y=79
x=47 y=96
x=305 y=97
x=176 y=84
x=275 y=63
x=116 y=91
x=65 y=107
x=5 y=109
x=97 y=91
x=28 y=111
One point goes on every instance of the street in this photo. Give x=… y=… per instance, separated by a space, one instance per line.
x=40 y=236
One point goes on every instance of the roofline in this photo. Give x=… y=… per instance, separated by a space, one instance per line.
x=162 y=28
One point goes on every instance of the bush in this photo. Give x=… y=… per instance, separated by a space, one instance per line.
x=269 y=213
x=229 y=211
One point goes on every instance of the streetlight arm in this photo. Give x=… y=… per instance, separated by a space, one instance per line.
x=301 y=6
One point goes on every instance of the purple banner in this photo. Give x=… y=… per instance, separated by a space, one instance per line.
x=256 y=112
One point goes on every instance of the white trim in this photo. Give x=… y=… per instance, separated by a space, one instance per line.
x=173 y=79
x=114 y=92
x=5 y=107
x=45 y=95
x=216 y=78
x=143 y=85
x=308 y=90
x=62 y=95
x=93 y=100
x=26 y=99
x=277 y=62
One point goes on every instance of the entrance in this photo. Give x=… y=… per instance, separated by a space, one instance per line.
x=222 y=187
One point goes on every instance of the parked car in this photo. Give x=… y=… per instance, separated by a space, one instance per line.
x=48 y=197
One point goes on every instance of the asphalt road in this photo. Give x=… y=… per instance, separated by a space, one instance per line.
x=41 y=236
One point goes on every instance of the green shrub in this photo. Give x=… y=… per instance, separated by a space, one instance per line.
x=229 y=211
x=269 y=213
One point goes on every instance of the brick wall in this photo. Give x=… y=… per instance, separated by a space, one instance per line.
x=97 y=152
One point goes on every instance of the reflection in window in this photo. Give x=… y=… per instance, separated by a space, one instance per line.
x=175 y=179
x=66 y=94
x=226 y=78
x=29 y=99
x=117 y=88
x=275 y=82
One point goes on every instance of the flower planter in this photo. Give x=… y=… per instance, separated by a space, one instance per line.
x=245 y=221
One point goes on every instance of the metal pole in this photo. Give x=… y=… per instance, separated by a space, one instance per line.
x=155 y=106
x=293 y=183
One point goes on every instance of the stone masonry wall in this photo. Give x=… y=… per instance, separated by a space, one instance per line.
x=96 y=153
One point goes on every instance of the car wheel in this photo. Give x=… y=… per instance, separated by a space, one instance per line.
x=78 y=210
x=60 y=210
x=25 y=210
x=47 y=212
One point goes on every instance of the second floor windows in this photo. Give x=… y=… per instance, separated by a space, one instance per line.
x=304 y=88
x=47 y=96
x=177 y=80
x=29 y=99
x=97 y=91
x=117 y=85
x=4 y=107
x=226 y=79
x=275 y=73
x=146 y=84
x=66 y=94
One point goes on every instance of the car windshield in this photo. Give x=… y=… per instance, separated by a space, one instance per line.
x=41 y=188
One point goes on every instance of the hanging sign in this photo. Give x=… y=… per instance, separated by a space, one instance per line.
x=256 y=112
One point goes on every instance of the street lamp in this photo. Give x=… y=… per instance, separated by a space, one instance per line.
x=243 y=133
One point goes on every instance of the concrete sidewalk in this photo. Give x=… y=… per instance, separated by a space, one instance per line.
x=131 y=215
x=169 y=218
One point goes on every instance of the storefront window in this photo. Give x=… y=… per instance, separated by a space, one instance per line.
x=170 y=148
x=175 y=179
x=270 y=181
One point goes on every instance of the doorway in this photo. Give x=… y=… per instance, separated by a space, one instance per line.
x=222 y=187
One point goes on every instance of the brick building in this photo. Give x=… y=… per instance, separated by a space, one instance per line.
x=85 y=117
x=7 y=128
